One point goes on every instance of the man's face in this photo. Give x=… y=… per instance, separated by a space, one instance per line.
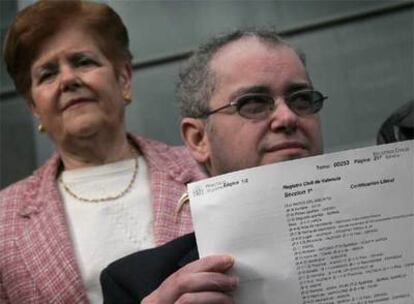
x=234 y=142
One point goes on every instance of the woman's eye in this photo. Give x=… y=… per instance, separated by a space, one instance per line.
x=85 y=61
x=44 y=76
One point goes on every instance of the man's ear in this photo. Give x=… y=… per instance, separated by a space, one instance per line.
x=125 y=76
x=194 y=135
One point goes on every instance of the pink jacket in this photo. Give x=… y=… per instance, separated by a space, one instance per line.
x=37 y=262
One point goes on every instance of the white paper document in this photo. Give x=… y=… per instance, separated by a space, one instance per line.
x=336 y=228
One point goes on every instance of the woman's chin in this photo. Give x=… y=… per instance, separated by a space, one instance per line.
x=84 y=127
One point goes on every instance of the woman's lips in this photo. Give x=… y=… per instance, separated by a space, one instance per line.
x=74 y=103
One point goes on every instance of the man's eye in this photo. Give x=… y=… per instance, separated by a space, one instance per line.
x=301 y=100
x=255 y=104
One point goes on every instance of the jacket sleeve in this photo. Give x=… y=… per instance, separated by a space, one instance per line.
x=113 y=292
x=131 y=278
x=3 y=297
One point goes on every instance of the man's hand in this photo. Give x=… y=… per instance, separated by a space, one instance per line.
x=202 y=281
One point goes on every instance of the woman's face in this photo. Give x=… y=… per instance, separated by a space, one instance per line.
x=75 y=90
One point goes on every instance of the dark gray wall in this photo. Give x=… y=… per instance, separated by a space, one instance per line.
x=359 y=53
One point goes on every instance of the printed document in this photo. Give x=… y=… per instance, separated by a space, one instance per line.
x=336 y=228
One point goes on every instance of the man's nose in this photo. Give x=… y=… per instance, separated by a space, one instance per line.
x=282 y=117
x=69 y=79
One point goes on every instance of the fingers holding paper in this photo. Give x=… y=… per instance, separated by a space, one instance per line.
x=202 y=281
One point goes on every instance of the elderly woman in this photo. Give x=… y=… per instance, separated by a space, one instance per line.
x=104 y=193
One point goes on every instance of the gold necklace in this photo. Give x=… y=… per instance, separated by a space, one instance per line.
x=102 y=199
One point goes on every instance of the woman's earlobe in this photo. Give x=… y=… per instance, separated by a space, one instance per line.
x=125 y=76
x=32 y=108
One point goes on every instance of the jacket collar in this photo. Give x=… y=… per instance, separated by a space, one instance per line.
x=43 y=238
x=43 y=179
x=162 y=158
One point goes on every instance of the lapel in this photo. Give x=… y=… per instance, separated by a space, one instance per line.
x=170 y=169
x=44 y=242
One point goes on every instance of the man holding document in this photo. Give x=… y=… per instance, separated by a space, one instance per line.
x=246 y=101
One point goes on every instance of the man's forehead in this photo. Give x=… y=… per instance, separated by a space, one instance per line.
x=253 y=62
x=238 y=49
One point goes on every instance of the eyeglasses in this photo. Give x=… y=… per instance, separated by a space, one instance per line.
x=260 y=106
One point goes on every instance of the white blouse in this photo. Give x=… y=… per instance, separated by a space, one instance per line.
x=105 y=231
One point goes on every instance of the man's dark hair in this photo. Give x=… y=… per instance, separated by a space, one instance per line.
x=196 y=80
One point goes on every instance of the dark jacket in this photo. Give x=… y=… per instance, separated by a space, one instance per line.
x=130 y=279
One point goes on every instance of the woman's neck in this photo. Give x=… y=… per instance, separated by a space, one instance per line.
x=86 y=152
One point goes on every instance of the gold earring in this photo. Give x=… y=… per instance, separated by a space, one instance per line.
x=40 y=128
x=127 y=97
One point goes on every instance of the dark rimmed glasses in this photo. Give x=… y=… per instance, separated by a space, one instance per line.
x=261 y=105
